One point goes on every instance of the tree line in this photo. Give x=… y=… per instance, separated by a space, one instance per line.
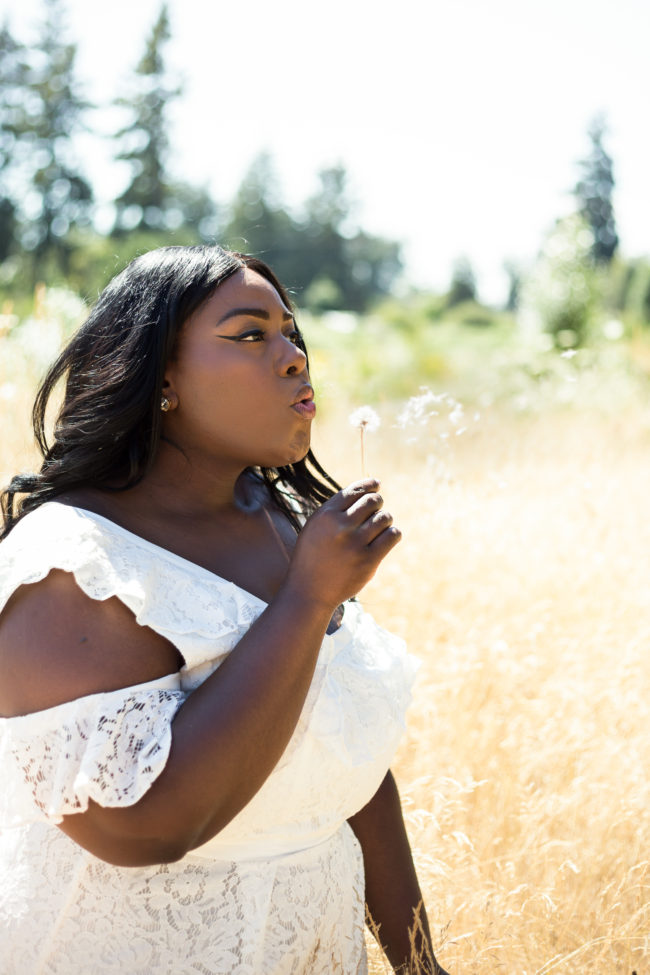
x=48 y=227
x=47 y=200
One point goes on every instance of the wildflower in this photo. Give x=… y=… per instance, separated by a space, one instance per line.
x=364 y=418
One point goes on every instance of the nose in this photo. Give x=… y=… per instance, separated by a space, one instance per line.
x=292 y=360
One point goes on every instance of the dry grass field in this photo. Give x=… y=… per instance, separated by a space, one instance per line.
x=522 y=583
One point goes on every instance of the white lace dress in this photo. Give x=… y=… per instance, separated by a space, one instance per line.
x=280 y=889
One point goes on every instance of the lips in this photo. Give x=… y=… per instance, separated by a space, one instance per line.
x=304 y=404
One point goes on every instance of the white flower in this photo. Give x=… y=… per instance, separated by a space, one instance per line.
x=365 y=418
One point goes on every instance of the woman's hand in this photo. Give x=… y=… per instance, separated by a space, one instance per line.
x=340 y=547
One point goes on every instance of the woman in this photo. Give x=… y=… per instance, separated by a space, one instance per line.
x=186 y=690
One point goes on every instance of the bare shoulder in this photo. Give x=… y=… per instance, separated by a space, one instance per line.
x=57 y=644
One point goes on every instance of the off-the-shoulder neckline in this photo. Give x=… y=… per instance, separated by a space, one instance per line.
x=167 y=553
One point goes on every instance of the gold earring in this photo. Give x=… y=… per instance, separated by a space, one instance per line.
x=165 y=404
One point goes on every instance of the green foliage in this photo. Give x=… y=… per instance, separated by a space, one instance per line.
x=317 y=256
x=12 y=81
x=560 y=294
x=41 y=111
x=259 y=224
x=463 y=283
x=637 y=301
x=96 y=259
x=145 y=202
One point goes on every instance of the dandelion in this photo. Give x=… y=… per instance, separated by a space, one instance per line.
x=441 y=408
x=364 y=419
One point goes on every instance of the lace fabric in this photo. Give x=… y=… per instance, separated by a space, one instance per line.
x=280 y=889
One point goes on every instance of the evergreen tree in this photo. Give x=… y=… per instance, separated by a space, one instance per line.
x=343 y=269
x=258 y=222
x=153 y=203
x=145 y=202
x=50 y=194
x=12 y=83
x=317 y=256
x=594 y=193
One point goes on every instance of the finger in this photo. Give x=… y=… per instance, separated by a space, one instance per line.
x=378 y=522
x=353 y=492
x=364 y=507
x=385 y=541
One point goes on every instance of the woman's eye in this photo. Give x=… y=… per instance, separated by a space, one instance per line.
x=255 y=336
x=294 y=336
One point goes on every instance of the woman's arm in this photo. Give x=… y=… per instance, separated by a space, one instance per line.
x=56 y=644
x=393 y=894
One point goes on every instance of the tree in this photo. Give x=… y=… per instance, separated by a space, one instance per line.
x=463 y=283
x=50 y=194
x=594 y=191
x=343 y=269
x=316 y=255
x=560 y=295
x=145 y=145
x=153 y=202
x=259 y=223
x=514 y=273
x=12 y=82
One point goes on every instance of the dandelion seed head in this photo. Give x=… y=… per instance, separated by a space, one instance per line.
x=457 y=414
x=420 y=409
x=365 y=418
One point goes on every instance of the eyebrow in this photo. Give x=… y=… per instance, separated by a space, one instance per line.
x=252 y=313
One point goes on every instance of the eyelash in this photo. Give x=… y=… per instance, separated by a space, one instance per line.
x=258 y=336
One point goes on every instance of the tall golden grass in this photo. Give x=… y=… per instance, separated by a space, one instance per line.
x=522 y=582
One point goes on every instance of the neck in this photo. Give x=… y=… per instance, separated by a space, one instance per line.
x=190 y=487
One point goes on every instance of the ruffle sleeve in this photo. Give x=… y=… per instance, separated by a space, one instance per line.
x=202 y=615
x=107 y=747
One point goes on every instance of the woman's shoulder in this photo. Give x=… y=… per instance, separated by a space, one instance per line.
x=40 y=531
x=58 y=535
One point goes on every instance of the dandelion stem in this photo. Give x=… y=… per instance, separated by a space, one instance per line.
x=363 y=459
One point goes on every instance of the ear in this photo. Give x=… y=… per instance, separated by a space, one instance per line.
x=169 y=393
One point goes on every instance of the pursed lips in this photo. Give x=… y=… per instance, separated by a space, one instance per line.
x=304 y=403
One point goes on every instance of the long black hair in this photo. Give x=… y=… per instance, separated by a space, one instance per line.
x=108 y=429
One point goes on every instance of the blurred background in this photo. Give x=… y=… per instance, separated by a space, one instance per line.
x=456 y=194
x=445 y=149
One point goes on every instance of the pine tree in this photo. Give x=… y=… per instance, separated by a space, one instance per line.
x=50 y=194
x=49 y=152
x=12 y=83
x=594 y=192
x=145 y=202
x=346 y=269
x=259 y=223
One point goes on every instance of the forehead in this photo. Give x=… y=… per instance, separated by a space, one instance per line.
x=246 y=289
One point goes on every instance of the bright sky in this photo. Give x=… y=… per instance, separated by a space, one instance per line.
x=460 y=121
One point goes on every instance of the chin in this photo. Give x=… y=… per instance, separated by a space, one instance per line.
x=291 y=455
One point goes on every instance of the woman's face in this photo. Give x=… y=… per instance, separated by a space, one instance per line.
x=238 y=385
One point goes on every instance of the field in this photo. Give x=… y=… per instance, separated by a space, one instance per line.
x=522 y=584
